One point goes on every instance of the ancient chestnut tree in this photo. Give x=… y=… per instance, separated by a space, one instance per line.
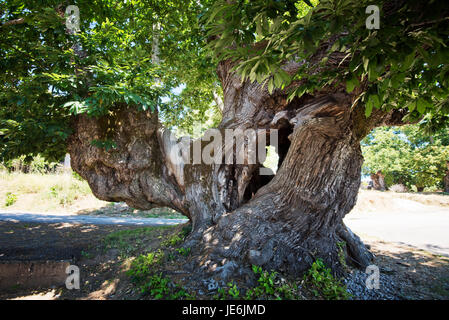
x=312 y=71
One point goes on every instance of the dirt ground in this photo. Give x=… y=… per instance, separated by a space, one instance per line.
x=102 y=266
x=417 y=274
x=58 y=241
x=414 y=273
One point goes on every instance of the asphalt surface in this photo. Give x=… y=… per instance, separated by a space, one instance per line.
x=411 y=223
x=83 y=219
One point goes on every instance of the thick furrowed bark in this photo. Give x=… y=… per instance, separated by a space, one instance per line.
x=135 y=171
x=297 y=217
x=240 y=218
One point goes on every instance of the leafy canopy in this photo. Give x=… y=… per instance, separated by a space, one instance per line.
x=48 y=75
x=404 y=64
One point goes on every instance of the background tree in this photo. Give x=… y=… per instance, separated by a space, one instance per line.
x=407 y=156
x=316 y=74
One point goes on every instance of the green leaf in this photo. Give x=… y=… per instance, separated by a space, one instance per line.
x=421 y=105
x=408 y=61
x=368 y=109
x=365 y=63
x=372 y=70
x=351 y=83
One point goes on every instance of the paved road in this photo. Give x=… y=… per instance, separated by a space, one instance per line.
x=410 y=223
x=82 y=219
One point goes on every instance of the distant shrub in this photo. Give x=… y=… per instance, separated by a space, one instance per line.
x=432 y=189
x=37 y=164
x=398 y=188
x=68 y=189
x=11 y=198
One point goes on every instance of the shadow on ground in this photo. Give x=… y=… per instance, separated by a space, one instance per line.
x=407 y=273
x=123 y=210
x=413 y=273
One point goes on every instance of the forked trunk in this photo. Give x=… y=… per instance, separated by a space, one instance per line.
x=240 y=217
x=297 y=217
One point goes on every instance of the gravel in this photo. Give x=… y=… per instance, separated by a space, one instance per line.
x=389 y=289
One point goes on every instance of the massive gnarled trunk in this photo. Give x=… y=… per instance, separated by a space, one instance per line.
x=240 y=218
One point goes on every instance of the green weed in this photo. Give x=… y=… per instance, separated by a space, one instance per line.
x=183 y=251
x=11 y=198
x=322 y=283
x=142 y=273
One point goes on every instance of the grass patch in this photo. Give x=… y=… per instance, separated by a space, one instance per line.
x=165 y=213
x=142 y=266
x=121 y=209
x=183 y=251
x=64 y=192
x=41 y=192
x=130 y=242
x=173 y=240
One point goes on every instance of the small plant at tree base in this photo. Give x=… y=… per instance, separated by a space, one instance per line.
x=11 y=198
x=160 y=287
x=86 y=254
x=233 y=290
x=178 y=237
x=341 y=254
x=141 y=267
x=172 y=241
x=171 y=257
x=154 y=284
x=221 y=294
x=127 y=241
x=271 y=286
x=184 y=251
x=323 y=284
x=157 y=286
x=230 y=291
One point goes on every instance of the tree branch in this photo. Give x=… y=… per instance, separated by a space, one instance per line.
x=13 y=22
